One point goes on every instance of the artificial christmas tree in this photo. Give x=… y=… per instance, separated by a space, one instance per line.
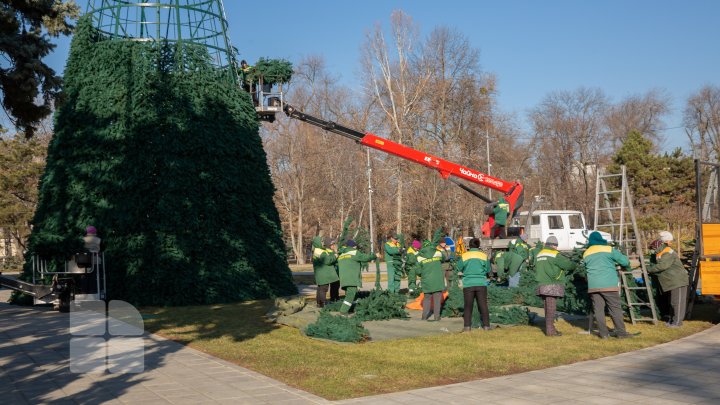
x=156 y=148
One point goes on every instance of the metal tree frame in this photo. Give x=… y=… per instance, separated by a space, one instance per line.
x=200 y=22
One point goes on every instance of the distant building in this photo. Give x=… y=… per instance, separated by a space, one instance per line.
x=8 y=247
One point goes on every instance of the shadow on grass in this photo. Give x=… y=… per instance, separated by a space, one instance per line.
x=702 y=312
x=239 y=321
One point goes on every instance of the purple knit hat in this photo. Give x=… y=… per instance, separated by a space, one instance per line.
x=90 y=230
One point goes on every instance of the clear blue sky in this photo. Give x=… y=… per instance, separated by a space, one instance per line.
x=534 y=47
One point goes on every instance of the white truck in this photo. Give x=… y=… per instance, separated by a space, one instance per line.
x=568 y=226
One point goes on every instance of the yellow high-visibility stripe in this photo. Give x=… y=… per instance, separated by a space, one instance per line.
x=547 y=253
x=597 y=249
x=347 y=255
x=436 y=256
x=474 y=255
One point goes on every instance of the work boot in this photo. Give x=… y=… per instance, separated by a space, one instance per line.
x=624 y=335
x=467 y=329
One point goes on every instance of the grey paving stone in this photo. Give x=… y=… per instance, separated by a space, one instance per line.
x=190 y=400
x=689 y=396
x=36 y=350
x=178 y=393
x=663 y=401
x=14 y=398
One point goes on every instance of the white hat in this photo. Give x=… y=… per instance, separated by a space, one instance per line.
x=666 y=236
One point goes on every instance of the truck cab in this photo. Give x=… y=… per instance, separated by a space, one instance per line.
x=569 y=227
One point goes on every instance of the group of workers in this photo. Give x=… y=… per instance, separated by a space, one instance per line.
x=338 y=268
x=430 y=263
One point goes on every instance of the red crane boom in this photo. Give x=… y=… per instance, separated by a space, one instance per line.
x=512 y=191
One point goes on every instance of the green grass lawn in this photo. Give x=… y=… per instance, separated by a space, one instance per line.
x=239 y=333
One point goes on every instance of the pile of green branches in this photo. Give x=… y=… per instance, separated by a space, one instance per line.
x=503 y=315
x=377 y=305
x=332 y=306
x=272 y=71
x=576 y=298
x=381 y=305
x=338 y=328
x=454 y=303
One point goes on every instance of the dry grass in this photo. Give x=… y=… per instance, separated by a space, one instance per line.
x=309 y=279
x=239 y=333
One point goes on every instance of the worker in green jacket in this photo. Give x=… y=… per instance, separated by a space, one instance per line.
x=432 y=279
x=550 y=270
x=671 y=275
x=501 y=211
x=323 y=260
x=350 y=261
x=448 y=257
x=519 y=245
x=245 y=76
x=474 y=266
x=532 y=254
x=410 y=265
x=601 y=263
x=394 y=262
x=510 y=265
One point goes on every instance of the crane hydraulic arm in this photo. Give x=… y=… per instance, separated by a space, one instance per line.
x=513 y=191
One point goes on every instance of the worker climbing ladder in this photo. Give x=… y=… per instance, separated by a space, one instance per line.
x=614 y=214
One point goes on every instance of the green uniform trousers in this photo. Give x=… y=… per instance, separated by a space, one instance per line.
x=350 y=293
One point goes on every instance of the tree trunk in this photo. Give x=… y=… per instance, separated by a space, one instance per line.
x=300 y=251
x=398 y=213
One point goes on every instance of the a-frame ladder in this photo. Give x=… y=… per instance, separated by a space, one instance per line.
x=614 y=214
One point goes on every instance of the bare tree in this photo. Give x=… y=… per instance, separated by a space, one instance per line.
x=397 y=83
x=286 y=157
x=641 y=113
x=22 y=162
x=319 y=177
x=455 y=69
x=569 y=136
x=702 y=122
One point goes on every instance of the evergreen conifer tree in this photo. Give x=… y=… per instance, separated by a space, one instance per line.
x=656 y=181
x=155 y=149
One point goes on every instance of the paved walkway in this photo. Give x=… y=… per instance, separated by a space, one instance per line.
x=34 y=351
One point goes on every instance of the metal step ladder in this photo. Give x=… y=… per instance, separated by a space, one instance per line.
x=614 y=213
